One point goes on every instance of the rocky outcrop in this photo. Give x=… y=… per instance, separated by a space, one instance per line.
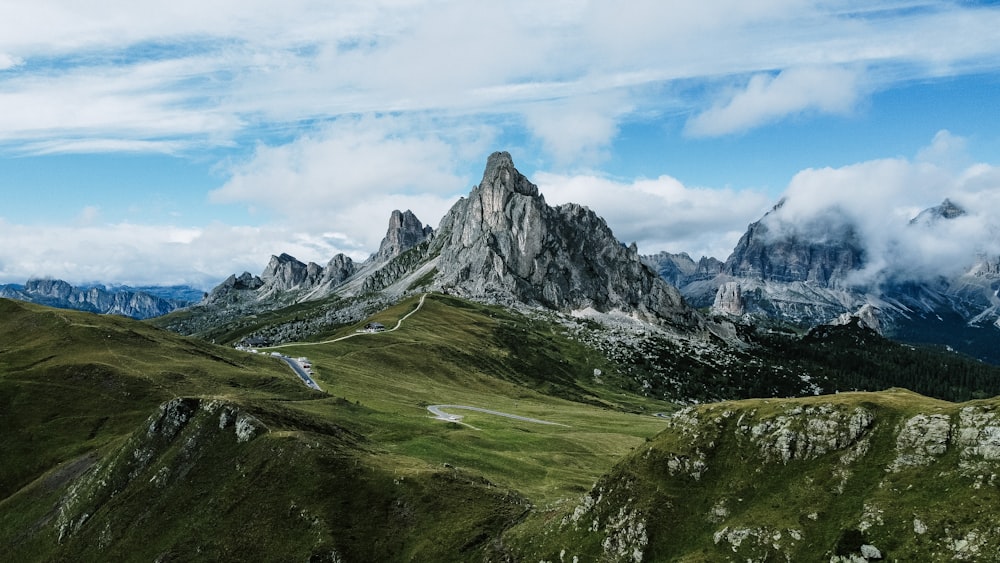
x=405 y=231
x=284 y=273
x=854 y=477
x=337 y=270
x=96 y=299
x=504 y=243
x=729 y=299
x=162 y=453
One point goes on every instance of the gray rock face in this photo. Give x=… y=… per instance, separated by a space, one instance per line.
x=405 y=231
x=823 y=252
x=284 y=273
x=680 y=269
x=124 y=302
x=504 y=242
x=338 y=269
x=729 y=299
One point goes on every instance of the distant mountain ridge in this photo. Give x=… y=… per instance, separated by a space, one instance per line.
x=812 y=273
x=137 y=303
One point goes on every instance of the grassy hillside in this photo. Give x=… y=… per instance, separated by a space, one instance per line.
x=126 y=442
x=113 y=429
x=892 y=476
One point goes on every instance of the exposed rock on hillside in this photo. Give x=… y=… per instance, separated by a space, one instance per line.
x=405 y=231
x=504 y=242
x=854 y=477
x=171 y=444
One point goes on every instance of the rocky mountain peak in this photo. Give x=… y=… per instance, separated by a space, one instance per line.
x=823 y=251
x=504 y=243
x=285 y=272
x=405 y=231
x=501 y=175
x=947 y=210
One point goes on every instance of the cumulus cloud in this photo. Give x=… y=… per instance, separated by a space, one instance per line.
x=157 y=254
x=879 y=198
x=350 y=175
x=569 y=130
x=662 y=213
x=768 y=98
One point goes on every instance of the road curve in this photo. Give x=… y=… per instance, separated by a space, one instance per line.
x=441 y=415
x=399 y=323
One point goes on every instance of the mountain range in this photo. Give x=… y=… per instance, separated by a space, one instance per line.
x=590 y=412
x=501 y=244
x=807 y=273
x=138 y=303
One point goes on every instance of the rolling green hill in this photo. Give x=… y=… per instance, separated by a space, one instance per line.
x=122 y=441
x=888 y=476
x=113 y=429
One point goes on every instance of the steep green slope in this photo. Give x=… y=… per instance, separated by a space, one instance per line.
x=890 y=475
x=72 y=382
x=124 y=442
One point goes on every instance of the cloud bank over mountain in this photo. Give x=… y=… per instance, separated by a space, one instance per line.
x=880 y=198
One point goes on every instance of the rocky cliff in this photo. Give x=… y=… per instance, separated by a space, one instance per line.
x=503 y=242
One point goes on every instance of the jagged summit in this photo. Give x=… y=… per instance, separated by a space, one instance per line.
x=501 y=174
x=504 y=242
x=947 y=210
x=405 y=231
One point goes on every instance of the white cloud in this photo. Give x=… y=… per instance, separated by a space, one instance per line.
x=575 y=130
x=350 y=175
x=117 y=70
x=9 y=61
x=768 y=98
x=152 y=254
x=880 y=197
x=662 y=213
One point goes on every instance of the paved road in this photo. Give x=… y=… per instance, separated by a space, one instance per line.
x=399 y=323
x=301 y=372
x=441 y=415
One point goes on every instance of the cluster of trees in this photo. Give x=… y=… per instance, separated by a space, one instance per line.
x=851 y=357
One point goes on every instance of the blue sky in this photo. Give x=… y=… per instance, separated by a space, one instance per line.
x=184 y=142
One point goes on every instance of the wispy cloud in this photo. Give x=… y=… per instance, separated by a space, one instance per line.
x=153 y=73
x=768 y=98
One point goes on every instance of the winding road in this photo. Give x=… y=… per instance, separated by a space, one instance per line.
x=441 y=415
x=399 y=323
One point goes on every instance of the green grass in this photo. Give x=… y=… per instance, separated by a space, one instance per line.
x=824 y=508
x=454 y=352
x=364 y=459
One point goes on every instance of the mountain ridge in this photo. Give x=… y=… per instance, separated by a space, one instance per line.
x=137 y=303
